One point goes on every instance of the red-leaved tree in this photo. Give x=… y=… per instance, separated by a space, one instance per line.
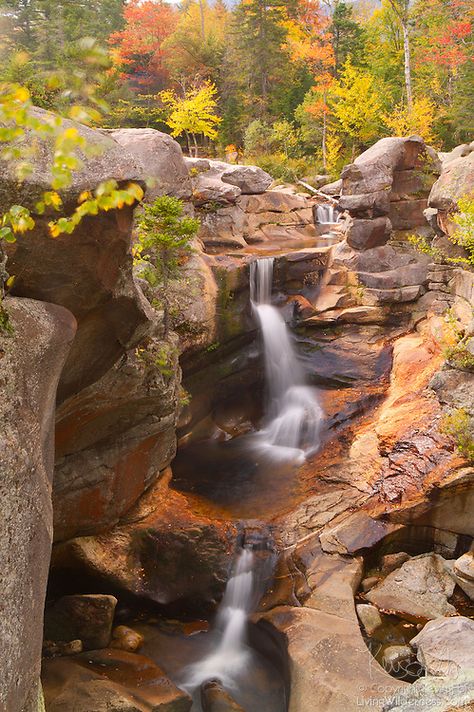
x=139 y=46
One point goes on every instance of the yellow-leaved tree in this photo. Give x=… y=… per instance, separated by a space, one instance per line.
x=357 y=105
x=419 y=120
x=333 y=152
x=193 y=113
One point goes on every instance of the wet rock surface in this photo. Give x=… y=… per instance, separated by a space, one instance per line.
x=214 y=698
x=110 y=681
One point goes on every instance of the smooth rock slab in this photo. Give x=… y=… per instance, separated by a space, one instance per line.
x=354 y=534
x=418 y=590
x=332 y=669
x=445 y=647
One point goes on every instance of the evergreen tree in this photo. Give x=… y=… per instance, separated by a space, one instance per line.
x=348 y=37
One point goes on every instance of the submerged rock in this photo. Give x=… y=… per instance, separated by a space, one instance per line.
x=418 y=590
x=110 y=681
x=369 y=616
x=84 y=617
x=445 y=647
x=125 y=638
x=214 y=698
x=396 y=659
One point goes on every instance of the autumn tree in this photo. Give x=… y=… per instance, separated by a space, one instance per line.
x=419 y=120
x=356 y=106
x=193 y=113
x=138 y=48
x=195 y=49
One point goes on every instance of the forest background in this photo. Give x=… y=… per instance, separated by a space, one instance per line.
x=296 y=86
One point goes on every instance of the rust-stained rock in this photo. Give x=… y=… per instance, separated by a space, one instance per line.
x=161 y=551
x=113 y=439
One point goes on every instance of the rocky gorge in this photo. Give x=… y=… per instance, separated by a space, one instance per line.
x=129 y=483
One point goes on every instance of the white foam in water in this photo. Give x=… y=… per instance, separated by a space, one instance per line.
x=293 y=415
x=231 y=656
x=327 y=214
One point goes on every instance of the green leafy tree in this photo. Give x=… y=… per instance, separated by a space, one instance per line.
x=164 y=234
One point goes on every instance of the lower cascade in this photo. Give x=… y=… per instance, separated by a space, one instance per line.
x=231 y=657
x=294 y=416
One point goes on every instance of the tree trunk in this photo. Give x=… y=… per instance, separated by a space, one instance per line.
x=323 y=143
x=407 y=62
x=201 y=13
x=196 y=147
x=166 y=306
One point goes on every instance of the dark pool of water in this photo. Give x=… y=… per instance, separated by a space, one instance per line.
x=246 y=481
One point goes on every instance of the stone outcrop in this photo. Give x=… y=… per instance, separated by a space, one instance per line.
x=161 y=551
x=88 y=272
x=162 y=164
x=455 y=182
x=31 y=359
x=236 y=207
x=392 y=179
x=215 y=177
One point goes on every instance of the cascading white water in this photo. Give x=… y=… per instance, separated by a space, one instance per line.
x=293 y=415
x=327 y=214
x=231 y=655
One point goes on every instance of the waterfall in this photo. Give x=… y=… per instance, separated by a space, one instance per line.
x=293 y=414
x=327 y=214
x=231 y=656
